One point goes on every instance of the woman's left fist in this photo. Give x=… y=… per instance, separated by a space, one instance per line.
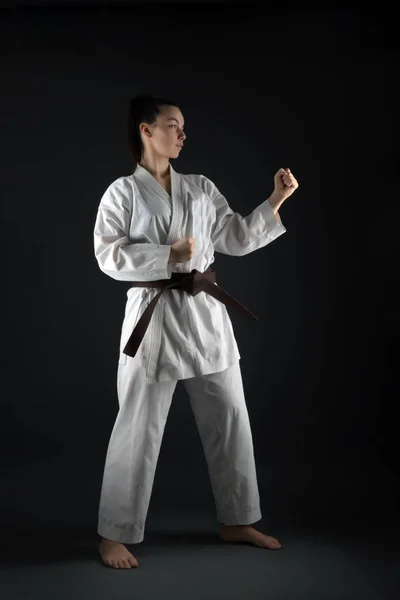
x=285 y=184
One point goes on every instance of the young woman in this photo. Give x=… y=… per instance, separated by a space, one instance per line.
x=158 y=229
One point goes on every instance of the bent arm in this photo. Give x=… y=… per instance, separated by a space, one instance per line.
x=237 y=235
x=114 y=252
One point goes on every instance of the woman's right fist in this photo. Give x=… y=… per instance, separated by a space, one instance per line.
x=182 y=250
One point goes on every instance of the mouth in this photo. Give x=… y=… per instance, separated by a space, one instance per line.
x=179 y=145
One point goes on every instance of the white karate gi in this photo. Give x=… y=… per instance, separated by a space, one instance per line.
x=137 y=222
x=189 y=338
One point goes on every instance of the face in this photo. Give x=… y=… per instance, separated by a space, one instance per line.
x=167 y=133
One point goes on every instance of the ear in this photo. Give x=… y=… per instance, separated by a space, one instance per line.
x=144 y=128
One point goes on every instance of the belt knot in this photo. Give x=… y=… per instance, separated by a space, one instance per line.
x=195 y=281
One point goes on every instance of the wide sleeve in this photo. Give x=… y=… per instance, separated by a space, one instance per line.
x=237 y=235
x=114 y=252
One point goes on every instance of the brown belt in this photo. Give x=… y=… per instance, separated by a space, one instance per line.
x=192 y=283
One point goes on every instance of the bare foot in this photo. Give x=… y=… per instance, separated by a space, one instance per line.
x=246 y=533
x=116 y=555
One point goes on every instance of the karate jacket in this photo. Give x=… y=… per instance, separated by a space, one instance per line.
x=136 y=224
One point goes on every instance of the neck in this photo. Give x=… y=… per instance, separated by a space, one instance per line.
x=158 y=167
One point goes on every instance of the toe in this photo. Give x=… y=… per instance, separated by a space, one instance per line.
x=133 y=562
x=126 y=564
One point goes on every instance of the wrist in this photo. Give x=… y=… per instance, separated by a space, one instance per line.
x=171 y=256
x=275 y=202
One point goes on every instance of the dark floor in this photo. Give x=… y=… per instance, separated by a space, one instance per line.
x=182 y=557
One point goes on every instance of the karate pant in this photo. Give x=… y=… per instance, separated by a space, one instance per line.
x=221 y=416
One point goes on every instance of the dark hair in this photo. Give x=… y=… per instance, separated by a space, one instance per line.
x=142 y=109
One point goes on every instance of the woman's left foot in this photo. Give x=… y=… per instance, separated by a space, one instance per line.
x=246 y=533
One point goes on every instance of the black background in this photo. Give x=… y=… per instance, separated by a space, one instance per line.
x=307 y=86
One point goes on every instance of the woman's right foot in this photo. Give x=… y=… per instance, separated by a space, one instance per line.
x=116 y=555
